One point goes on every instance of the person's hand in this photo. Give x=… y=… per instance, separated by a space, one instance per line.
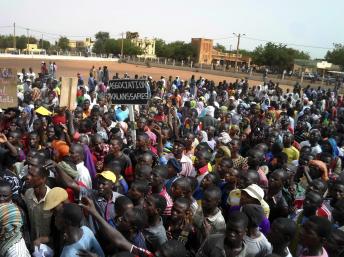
x=36 y=242
x=88 y=205
x=3 y=138
x=156 y=129
x=85 y=253
x=206 y=227
x=40 y=240
x=50 y=164
x=65 y=129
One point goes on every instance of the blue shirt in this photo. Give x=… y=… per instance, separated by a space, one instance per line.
x=122 y=115
x=87 y=242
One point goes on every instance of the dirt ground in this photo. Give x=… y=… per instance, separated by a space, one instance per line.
x=70 y=68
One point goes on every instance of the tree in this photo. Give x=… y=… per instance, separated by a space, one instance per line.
x=277 y=56
x=21 y=42
x=99 y=45
x=46 y=44
x=178 y=50
x=114 y=46
x=336 y=56
x=162 y=49
x=103 y=36
x=63 y=43
x=220 y=48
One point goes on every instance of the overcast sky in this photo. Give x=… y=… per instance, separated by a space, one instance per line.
x=301 y=22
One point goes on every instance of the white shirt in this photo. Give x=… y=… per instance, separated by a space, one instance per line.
x=84 y=175
x=315 y=149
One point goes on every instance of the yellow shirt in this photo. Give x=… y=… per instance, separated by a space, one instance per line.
x=292 y=152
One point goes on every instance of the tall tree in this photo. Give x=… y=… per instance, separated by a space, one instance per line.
x=336 y=56
x=63 y=43
x=220 y=48
x=46 y=44
x=99 y=45
x=277 y=56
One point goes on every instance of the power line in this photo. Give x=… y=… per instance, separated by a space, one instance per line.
x=290 y=44
x=55 y=34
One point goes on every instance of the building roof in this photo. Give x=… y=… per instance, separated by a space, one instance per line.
x=306 y=63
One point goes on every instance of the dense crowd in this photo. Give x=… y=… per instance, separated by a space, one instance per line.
x=215 y=170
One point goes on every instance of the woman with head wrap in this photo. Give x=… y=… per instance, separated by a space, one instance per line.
x=202 y=136
x=12 y=243
x=222 y=152
x=200 y=107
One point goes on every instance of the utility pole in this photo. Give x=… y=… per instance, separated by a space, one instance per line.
x=14 y=36
x=237 y=50
x=122 y=45
x=28 y=40
x=42 y=42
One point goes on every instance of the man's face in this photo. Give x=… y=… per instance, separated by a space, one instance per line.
x=234 y=233
x=275 y=180
x=156 y=179
x=178 y=212
x=74 y=155
x=86 y=105
x=311 y=203
x=177 y=149
x=115 y=146
x=149 y=207
x=134 y=194
x=97 y=144
x=275 y=237
x=140 y=142
x=145 y=159
x=104 y=186
x=314 y=137
x=308 y=235
x=33 y=140
x=51 y=133
x=33 y=179
x=338 y=192
x=124 y=222
x=200 y=161
x=209 y=203
x=5 y=194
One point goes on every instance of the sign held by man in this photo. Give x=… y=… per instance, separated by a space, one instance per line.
x=8 y=88
x=129 y=91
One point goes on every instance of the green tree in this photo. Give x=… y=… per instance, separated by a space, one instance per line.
x=63 y=43
x=46 y=44
x=277 y=56
x=114 y=46
x=336 y=56
x=162 y=49
x=99 y=45
x=220 y=48
x=21 y=42
x=111 y=46
x=103 y=36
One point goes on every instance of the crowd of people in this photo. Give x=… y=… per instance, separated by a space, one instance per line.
x=215 y=170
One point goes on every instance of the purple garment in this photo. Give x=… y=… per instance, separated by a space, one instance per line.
x=264 y=227
x=89 y=162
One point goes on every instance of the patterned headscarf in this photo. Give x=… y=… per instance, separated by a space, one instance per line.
x=10 y=226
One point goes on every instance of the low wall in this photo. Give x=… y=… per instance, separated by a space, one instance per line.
x=57 y=57
x=238 y=75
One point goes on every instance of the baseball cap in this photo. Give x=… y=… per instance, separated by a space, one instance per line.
x=109 y=175
x=255 y=191
x=55 y=196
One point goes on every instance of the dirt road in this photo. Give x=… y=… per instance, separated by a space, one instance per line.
x=70 y=68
